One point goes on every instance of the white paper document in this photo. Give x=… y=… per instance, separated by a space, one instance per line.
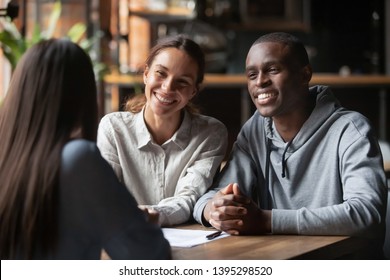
x=187 y=237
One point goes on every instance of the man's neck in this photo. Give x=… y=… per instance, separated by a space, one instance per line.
x=289 y=125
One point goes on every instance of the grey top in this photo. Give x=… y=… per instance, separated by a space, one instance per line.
x=329 y=180
x=97 y=212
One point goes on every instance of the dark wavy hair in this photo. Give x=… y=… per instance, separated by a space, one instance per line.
x=51 y=99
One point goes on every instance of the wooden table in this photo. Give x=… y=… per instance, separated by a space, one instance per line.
x=272 y=247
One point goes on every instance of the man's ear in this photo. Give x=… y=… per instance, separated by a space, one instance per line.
x=307 y=73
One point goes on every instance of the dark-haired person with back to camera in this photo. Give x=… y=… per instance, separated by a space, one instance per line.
x=59 y=199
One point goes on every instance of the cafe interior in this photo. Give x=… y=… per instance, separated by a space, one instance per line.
x=347 y=41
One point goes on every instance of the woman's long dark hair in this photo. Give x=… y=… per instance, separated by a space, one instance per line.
x=51 y=98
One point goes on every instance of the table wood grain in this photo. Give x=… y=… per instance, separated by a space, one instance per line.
x=272 y=247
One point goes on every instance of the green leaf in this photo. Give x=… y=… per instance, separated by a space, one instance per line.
x=36 y=35
x=87 y=44
x=11 y=59
x=11 y=28
x=54 y=16
x=76 y=32
x=13 y=48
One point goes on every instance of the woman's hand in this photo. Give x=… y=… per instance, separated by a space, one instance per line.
x=151 y=214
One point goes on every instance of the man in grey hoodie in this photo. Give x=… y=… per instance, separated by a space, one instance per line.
x=302 y=164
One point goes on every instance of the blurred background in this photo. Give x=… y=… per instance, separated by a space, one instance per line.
x=342 y=38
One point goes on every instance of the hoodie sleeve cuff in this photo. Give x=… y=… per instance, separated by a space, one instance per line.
x=198 y=212
x=285 y=221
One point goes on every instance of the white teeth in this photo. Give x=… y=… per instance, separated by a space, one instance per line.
x=264 y=95
x=163 y=99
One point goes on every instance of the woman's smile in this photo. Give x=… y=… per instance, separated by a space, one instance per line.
x=164 y=99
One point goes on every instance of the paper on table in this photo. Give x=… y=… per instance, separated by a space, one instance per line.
x=188 y=237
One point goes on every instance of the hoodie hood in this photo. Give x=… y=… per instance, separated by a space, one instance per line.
x=326 y=105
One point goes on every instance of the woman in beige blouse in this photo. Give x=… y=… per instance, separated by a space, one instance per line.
x=162 y=149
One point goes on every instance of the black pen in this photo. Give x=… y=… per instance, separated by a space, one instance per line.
x=213 y=235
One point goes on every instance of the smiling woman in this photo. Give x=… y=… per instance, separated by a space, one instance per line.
x=164 y=151
x=170 y=83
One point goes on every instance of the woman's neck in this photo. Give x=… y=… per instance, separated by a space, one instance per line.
x=162 y=128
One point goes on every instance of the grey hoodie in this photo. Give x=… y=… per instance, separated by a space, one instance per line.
x=329 y=180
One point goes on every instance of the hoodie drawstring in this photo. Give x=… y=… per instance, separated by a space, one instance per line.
x=284 y=161
x=267 y=183
x=268 y=187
